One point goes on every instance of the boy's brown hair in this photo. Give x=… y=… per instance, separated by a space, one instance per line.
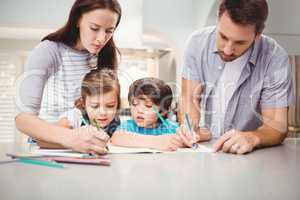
x=155 y=89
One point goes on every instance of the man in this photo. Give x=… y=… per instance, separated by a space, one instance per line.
x=241 y=78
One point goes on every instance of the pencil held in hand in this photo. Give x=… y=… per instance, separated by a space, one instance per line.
x=187 y=122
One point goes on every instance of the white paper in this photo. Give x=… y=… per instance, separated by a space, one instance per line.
x=200 y=149
x=59 y=152
x=116 y=150
x=128 y=150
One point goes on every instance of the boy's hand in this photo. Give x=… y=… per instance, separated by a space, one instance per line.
x=168 y=142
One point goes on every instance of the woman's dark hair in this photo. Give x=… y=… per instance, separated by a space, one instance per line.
x=246 y=12
x=69 y=33
x=155 y=89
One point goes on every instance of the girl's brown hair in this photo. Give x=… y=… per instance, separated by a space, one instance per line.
x=69 y=33
x=98 y=82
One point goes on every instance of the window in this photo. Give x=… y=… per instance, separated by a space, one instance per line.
x=294 y=110
x=10 y=68
x=135 y=64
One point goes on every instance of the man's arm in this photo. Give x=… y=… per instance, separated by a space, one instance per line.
x=272 y=132
x=190 y=103
x=274 y=129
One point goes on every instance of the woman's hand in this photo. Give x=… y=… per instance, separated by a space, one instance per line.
x=88 y=139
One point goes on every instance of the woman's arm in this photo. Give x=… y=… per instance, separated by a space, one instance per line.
x=84 y=139
x=63 y=122
x=33 y=126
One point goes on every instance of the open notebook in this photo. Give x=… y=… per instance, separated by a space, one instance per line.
x=126 y=150
x=114 y=150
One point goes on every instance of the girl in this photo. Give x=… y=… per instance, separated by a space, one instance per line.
x=56 y=67
x=97 y=106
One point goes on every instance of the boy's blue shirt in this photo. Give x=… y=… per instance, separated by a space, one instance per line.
x=161 y=129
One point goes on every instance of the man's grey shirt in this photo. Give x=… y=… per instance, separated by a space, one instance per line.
x=265 y=81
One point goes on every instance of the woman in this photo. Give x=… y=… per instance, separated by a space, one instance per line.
x=54 y=71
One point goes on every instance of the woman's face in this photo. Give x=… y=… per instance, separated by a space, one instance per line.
x=96 y=28
x=102 y=108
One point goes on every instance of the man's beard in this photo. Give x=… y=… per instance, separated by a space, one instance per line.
x=227 y=58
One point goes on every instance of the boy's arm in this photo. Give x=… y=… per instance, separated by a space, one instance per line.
x=127 y=139
x=162 y=142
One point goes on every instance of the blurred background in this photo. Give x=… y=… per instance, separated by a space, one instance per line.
x=151 y=37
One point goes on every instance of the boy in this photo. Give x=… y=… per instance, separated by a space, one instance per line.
x=150 y=100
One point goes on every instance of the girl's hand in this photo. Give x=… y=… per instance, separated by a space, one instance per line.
x=88 y=139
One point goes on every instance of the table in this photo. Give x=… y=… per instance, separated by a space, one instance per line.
x=271 y=173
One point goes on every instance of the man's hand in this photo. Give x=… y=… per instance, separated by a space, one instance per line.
x=237 y=142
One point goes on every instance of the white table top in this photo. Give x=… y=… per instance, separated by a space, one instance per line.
x=271 y=173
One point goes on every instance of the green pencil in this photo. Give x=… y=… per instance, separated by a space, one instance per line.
x=96 y=124
x=99 y=128
x=84 y=121
x=160 y=117
x=40 y=162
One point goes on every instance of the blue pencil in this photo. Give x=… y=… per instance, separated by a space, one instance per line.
x=194 y=145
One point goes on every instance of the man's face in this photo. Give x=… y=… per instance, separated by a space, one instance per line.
x=233 y=40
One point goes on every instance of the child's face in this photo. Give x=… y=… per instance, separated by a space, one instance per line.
x=102 y=108
x=143 y=113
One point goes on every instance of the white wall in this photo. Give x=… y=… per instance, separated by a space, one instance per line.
x=171 y=20
x=284 y=24
x=49 y=15
x=34 y=13
x=174 y=18
x=174 y=21
x=284 y=17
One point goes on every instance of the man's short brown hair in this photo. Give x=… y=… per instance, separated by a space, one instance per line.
x=246 y=12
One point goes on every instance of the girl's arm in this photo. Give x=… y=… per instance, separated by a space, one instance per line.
x=162 y=142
